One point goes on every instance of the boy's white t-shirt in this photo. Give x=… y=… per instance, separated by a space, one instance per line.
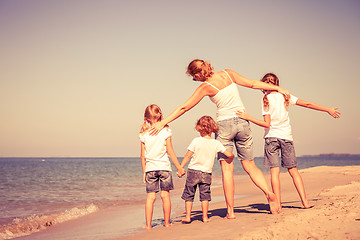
x=155 y=150
x=205 y=151
x=280 y=122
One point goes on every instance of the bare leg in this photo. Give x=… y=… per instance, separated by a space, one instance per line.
x=258 y=179
x=165 y=196
x=188 y=207
x=149 y=206
x=229 y=186
x=275 y=182
x=205 y=208
x=294 y=173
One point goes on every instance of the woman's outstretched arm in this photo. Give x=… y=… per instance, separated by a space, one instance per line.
x=197 y=96
x=254 y=84
x=262 y=123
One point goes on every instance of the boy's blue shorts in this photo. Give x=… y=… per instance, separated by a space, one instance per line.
x=197 y=178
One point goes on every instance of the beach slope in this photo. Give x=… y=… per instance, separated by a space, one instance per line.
x=335 y=191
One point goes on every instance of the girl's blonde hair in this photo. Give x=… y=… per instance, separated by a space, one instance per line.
x=200 y=70
x=206 y=125
x=271 y=78
x=152 y=114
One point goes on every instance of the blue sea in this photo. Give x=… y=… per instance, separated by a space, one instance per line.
x=36 y=193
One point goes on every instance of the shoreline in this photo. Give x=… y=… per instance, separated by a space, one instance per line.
x=251 y=209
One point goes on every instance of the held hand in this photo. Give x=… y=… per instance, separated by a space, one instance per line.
x=181 y=172
x=156 y=128
x=334 y=113
x=243 y=115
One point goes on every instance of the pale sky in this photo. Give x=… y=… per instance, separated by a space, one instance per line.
x=76 y=76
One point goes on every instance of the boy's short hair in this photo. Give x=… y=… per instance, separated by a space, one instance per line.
x=206 y=125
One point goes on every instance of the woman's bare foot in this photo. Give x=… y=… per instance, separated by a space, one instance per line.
x=273 y=203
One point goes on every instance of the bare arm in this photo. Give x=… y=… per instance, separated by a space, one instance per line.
x=186 y=158
x=332 y=111
x=254 y=84
x=172 y=155
x=261 y=123
x=197 y=96
x=230 y=156
x=143 y=161
x=184 y=162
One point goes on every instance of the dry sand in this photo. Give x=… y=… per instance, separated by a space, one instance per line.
x=335 y=191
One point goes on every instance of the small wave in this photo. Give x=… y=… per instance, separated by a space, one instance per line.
x=32 y=224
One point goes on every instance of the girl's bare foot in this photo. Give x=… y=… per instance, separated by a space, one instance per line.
x=186 y=220
x=206 y=220
x=228 y=216
x=308 y=205
x=167 y=224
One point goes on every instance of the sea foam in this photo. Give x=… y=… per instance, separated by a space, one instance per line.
x=26 y=226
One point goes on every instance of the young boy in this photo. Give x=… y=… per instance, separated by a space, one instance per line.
x=203 y=151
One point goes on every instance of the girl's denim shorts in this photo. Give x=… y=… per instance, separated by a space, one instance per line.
x=158 y=179
x=274 y=147
x=236 y=132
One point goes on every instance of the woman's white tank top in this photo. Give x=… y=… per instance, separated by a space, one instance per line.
x=227 y=101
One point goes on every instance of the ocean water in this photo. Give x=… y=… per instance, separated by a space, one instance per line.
x=36 y=193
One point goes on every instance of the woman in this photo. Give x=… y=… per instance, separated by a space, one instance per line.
x=221 y=88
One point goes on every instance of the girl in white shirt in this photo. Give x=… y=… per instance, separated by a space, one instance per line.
x=278 y=135
x=155 y=152
x=203 y=151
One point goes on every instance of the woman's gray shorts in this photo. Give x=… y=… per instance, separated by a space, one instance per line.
x=236 y=131
x=276 y=146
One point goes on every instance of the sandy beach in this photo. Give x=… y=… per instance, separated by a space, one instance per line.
x=335 y=191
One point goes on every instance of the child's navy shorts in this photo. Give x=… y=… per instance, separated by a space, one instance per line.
x=197 y=178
